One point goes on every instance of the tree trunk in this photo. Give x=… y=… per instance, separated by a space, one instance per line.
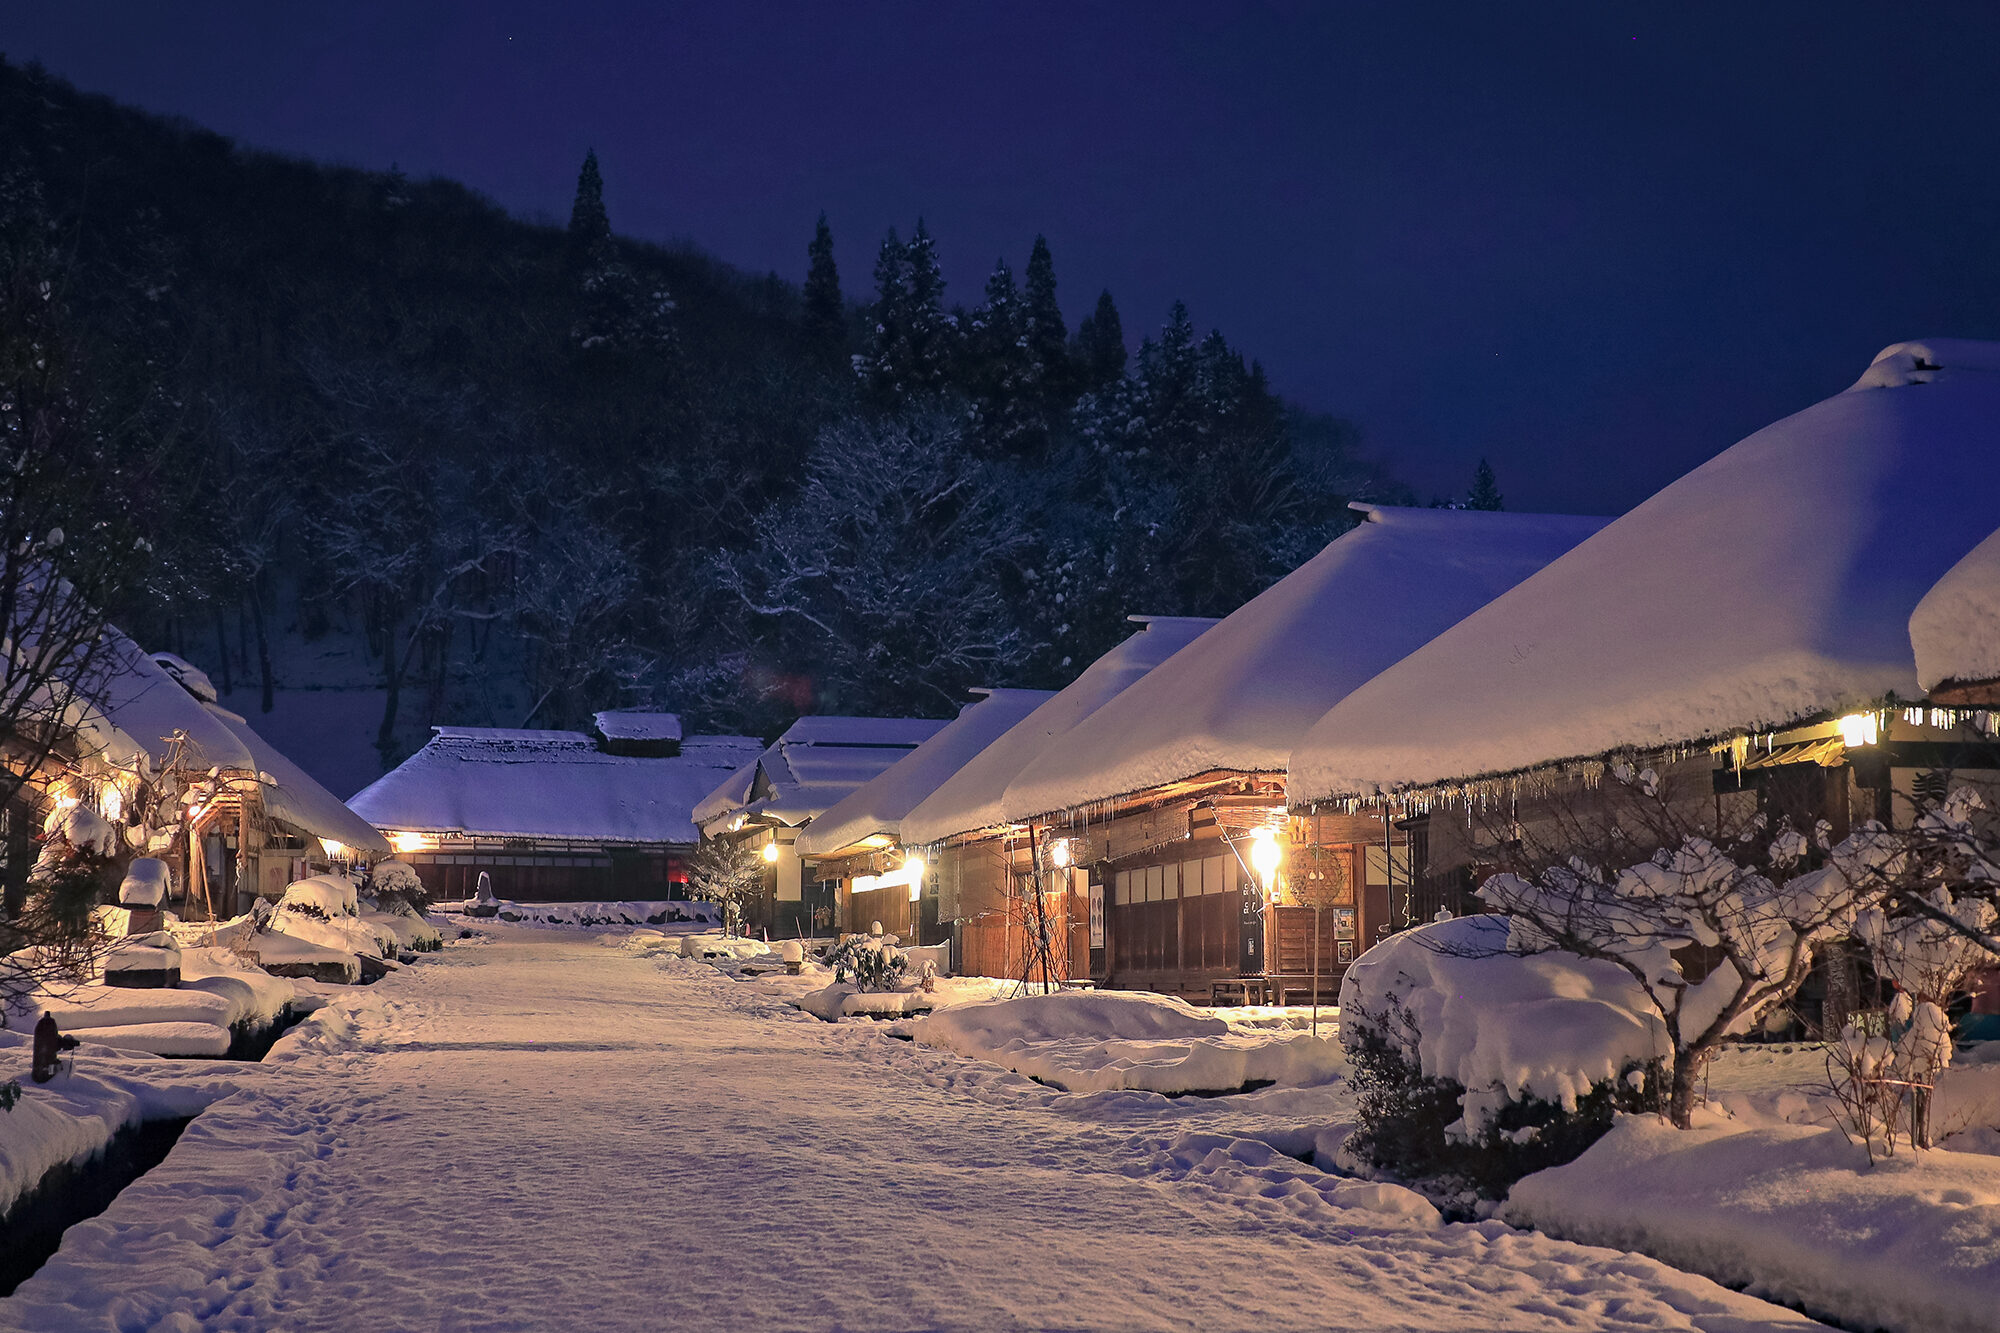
x=1843 y=988
x=1680 y=1098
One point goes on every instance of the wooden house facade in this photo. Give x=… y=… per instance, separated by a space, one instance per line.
x=1169 y=792
x=817 y=763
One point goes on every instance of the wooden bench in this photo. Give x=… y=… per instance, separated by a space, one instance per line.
x=1243 y=988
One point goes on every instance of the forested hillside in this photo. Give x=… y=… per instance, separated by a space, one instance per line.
x=392 y=444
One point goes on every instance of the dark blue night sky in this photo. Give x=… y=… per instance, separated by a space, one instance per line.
x=1595 y=242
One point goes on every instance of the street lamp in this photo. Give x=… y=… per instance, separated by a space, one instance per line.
x=1265 y=856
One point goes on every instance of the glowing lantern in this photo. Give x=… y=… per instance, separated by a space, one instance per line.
x=1059 y=854
x=1265 y=855
x=1859 y=729
x=771 y=852
x=913 y=867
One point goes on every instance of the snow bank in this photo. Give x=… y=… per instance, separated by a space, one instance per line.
x=72 y=1117
x=636 y=913
x=175 y=1039
x=1785 y=1211
x=841 y=1000
x=254 y=995
x=1774 y=582
x=1550 y=1026
x=1095 y=1041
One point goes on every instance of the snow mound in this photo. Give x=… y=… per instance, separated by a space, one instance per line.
x=1098 y=1041
x=1912 y=1245
x=176 y=1039
x=334 y=895
x=145 y=883
x=1503 y=1027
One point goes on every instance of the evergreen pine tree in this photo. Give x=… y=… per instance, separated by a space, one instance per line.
x=826 y=324
x=1485 y=489
x=883 y=367
x=998 y=370
x=1046 y=340
x=589 y=226
x=928 y=330
x=1100 y=345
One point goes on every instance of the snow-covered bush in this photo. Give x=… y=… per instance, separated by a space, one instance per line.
x=395 y=887
x=1475 y=1066
x=868 y=963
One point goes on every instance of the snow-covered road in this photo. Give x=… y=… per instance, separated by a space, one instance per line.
x=541 y=1131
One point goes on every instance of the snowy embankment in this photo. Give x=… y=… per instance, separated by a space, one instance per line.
x=102 y=1090
x=1788 y=1212
x=1096 y=1041
x=219 y=996
x=661 y=912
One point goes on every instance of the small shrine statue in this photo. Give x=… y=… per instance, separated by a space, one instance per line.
x=49 y=1046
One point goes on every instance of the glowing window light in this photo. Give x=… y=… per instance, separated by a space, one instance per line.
x=1860 y=729
x=402 y=842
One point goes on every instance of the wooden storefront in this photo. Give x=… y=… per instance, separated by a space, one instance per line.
x=555 y=872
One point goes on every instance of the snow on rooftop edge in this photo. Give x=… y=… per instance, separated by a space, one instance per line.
x=638 y=724
x=878 y=806
x=1772 y=583
x=975 y=797
x=1239 y=696
x=1955 y=629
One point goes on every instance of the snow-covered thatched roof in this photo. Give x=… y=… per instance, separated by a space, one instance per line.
x=1771 y=584
x=1239 y=697
x=492 y=782
x=813 y=766
x=978 y=796
x=1955 y=630
x=150 y=697
x=878 y=806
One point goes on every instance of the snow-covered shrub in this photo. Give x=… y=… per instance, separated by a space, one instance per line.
x=868 y=963
x=1475 y=1066
x=395 y=887
x=726 y=873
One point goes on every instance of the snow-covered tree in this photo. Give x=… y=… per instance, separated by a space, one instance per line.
x=727 y=873
x=911 y=348
x=881 y=579
x=1755 y=927
x=68 y=549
